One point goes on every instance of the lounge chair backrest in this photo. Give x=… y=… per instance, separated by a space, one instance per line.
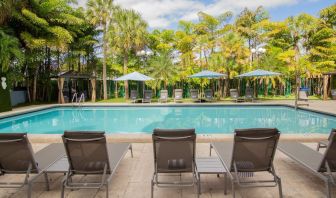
x=178 y=93
x=331 y=133
x=87 y=152
x=234 y=93
x=134 y=94
x=249 y=92
x=208 y=93
x=16 y=154
x=174 y=150
x=148 y=94
x=194 y=93
x=329 y=158
x=163 y=94
x=303 y=95
x=254 y=149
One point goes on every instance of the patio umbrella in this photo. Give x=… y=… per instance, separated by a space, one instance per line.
x=135 y=76
x=258 y=73
x=207 y=74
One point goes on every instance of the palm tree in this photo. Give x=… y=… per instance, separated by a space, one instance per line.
x=9 y=51
x=161 y=67
x=128 y=32
x=5 y=10
x=100 y=13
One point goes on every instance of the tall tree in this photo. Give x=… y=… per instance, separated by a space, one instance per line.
x=162 y=69
x=128 y=32
x=100 y=13
x=10 y=51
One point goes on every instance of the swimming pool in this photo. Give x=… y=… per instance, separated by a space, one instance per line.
x=133 y=119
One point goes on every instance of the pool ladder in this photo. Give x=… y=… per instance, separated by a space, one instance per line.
x=75 y=100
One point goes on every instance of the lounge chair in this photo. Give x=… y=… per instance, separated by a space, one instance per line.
x=324 y=143
x=321 y=165
x=134 y=96
x=163 y=96
x=89 y=154
x=252 y=151
x=147 y=96
x=208 y=94
x=249 y=94
x=174 y=153
x=17 y=157
x=303 y=96
x=194 y=95
x=178 y=95
x=235 y=96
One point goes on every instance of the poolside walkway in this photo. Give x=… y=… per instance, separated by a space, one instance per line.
x=133 y=176
x=328 y=106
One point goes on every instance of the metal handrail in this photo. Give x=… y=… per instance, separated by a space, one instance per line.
x=81 y=99
x=74 y=97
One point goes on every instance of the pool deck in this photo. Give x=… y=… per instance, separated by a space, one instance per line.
x=327 y=107
x=133 y=176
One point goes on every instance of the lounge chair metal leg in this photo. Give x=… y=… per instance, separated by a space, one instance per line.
x=199 y=184
x=131 y=148
x=62 y=189
x=152 y=190
x=328 y=193
x=225 y=184
x=318 y=147
x=107 y=190
x=280 y=186
x=210 y=148
x=46 y=181
x=233 y=189
x=29 y=190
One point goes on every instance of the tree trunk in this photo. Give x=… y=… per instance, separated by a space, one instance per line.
x=104 y=61
x=266 y=88
x=325 y=87
x=35 y=84
x=227 y=85
x=125 y=72
x=116 y=89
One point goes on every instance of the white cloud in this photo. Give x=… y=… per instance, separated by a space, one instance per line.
x=164 y=13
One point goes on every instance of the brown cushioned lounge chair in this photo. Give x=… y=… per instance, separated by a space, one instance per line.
x=252 y=151
x=249 y=94
x=178 y=95
x=163 y=96
x=194 y=95
x=174 y=152
x=147 y=96
x=17 y=157
x=134 y=96
x=89 y=154
x=208 y=94
x=321 y=165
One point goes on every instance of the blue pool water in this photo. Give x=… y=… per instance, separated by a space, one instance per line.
x=214 y=119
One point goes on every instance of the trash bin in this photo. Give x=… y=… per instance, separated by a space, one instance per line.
x=333 y=94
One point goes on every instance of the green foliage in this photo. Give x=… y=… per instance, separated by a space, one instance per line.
x=10 y=52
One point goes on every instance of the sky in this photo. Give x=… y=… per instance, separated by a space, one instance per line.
x=163 y=14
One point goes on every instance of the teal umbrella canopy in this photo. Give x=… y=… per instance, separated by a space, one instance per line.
x=136 y=76
x=258 y=73
x=207 y=74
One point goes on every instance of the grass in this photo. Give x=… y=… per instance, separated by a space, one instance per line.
x=260 y=97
